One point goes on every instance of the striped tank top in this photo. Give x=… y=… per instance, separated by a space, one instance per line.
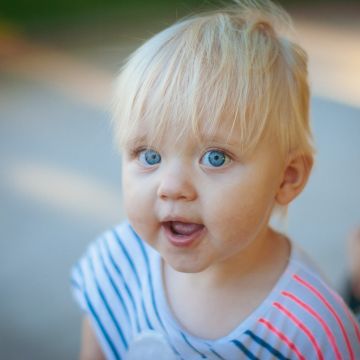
x=118 y=284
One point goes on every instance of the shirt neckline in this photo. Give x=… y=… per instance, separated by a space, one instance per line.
x=260 y=311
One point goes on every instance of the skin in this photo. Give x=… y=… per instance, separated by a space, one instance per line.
x=238 y=255
x=90 y=348
x=233 y=201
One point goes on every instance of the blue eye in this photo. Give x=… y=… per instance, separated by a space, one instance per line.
x=149 y=157
x=214 y=158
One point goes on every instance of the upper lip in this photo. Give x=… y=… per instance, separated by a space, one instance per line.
x=182 y=219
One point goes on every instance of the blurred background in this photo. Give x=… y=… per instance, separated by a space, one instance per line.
x=60 y=174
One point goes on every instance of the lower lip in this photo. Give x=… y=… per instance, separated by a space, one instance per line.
x=183 y=241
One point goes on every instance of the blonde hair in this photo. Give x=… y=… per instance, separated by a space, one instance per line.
x=229 y=63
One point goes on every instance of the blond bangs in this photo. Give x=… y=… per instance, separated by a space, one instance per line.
x=227 y=65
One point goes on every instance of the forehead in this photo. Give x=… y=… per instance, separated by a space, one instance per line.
x=225 y=132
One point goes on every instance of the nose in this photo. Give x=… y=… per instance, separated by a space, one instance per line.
x=177 y=184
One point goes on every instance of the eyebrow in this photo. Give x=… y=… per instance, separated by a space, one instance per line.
x=136 y=140
x=219 y=139
x=216 y=139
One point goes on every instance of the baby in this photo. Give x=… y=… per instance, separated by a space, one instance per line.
x=212 y=118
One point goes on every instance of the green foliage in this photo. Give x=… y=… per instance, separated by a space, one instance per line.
x=32 y=12
x=42 y=10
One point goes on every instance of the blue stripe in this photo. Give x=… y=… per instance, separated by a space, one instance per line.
x=149 y=276
x=131 y=263
x=114 y=286
x=119 y=272
x=140 y=242
x=118 y=240
x=75 y=284
x=78 y=269
x=150 y=326
x=263 y=343
x=244 y=350
x=192 y=347
x=215 y=353
x=101 y=326
x=97 y=319
x=107 y=305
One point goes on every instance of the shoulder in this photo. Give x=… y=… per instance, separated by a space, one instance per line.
x=107 y=283
x=118 y=252
x=311 y=317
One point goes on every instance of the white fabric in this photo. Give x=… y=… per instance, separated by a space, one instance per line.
x=118 y=283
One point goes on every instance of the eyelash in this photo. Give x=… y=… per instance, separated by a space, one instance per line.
x=135 y=153
x=227 y=156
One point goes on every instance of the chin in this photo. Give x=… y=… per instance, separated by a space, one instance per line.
x=186 y=266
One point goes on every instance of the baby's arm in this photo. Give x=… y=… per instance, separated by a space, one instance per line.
x=90 y=348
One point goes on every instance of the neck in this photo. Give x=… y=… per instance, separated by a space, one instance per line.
x=268 y=253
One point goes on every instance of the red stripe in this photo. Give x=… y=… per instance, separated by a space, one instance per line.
x=348 y=313
x=326 y=303
x=283 y=337
x=302 y=327
x=318 y=317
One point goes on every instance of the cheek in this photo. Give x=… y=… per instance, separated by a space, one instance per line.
x=132 y=194
x=238 y=209
x=138 y=199
x=129 y=195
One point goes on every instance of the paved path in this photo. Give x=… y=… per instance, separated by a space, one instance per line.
x=60 y=176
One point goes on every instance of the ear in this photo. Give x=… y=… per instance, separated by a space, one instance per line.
x=295 y=176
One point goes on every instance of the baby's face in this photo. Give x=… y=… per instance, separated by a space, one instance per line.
x=200 y=203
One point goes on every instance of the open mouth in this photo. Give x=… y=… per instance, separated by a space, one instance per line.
x=181 y=233
x=184 y=229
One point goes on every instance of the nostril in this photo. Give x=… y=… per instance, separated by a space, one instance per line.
x=177 y=195
x=163 y=196
x=174 y=192
x=176 y=187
